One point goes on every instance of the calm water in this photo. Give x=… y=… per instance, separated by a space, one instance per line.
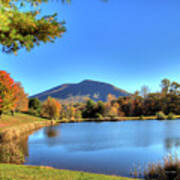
x=109 y=147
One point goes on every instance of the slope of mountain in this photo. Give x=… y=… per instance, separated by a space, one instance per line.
x=78 y=92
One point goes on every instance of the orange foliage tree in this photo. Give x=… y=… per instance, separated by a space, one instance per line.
x=10 y=91
x=7 y=98
x=51 y=108
x=21 y=98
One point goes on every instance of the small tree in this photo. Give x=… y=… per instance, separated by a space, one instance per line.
x=78 y=114
x=90 y=109
x=100 y=108
x=21 y=102
x=114 y=110
x=34 y=103
x=51 y=108
x=34 y=106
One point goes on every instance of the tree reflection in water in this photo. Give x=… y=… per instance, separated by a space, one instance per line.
x=51 y=132
x=171 y=143
x=14 y=151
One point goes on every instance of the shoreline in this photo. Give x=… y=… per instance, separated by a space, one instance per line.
x=115 y=119
x=9 y=133
x=31 y=123
x=14 y=131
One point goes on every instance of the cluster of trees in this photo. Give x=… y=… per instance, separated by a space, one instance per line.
x=142 y=103
x=13 y=98
x=12 y=95
x=138 y=104
x=50 y=108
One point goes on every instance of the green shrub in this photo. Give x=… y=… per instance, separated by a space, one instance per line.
x=171 y=116
x=34 y=112
x=160 y=115
x=141 y=117
x=99 y=116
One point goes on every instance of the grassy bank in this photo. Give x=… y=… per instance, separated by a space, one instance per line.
x=21 y=172
x=14 y=126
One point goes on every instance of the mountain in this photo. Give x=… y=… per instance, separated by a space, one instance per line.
x=78 y=92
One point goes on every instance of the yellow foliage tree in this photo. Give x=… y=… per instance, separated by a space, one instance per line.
x=51 y=108
x=114 y=110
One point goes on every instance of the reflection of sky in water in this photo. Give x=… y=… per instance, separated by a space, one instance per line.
x=111 y=147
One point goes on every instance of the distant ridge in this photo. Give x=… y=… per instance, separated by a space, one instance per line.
x=78 y=92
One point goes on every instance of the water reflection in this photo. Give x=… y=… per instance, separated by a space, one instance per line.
x=14 y=152
x=109 y=148
x=172 y=143
x=51 y=132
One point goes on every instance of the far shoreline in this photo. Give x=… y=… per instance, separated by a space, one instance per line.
x=114 y=119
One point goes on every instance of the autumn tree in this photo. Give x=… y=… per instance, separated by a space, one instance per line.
x=78 y=114
x=51 y=108
x=22 y=27
x=7 y=92
x=70 y=112
x=114 y=110
x=110 y=99
x=21 y=98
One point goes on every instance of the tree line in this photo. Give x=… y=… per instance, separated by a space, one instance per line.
x=143 y=103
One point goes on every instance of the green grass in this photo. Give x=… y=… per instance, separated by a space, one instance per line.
x=18 y=119
x=12 y=127
x=21 y=172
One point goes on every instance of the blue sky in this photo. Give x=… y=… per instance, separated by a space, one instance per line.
x=124 y=42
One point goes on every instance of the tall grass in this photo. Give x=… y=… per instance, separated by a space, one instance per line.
x=169 y=170
x=17 y=131
x=11 y=153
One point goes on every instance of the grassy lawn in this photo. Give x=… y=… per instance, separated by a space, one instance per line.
x=21 y=172
x=13 y=127
x=18 y=119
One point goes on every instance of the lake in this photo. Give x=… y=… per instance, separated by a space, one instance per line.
x=109 y=147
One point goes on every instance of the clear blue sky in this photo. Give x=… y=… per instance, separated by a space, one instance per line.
x=129 y=43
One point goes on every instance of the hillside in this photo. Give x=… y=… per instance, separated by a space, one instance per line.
x=80 y=91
